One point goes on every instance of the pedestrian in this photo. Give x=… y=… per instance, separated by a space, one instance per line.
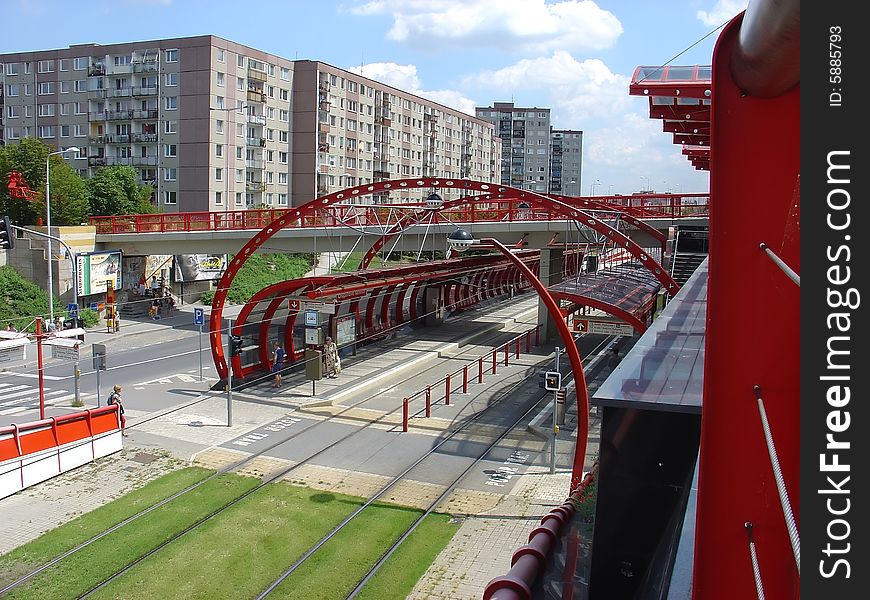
x=115 y=398
x=613 y=359
x=277 y=362
x=331 y=361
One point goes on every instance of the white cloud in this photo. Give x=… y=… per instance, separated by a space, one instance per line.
x=515 y=25
x=573 y=89
x=722 y=11
x=404 y=77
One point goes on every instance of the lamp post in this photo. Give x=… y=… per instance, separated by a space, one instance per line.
x=462 y=240
x=592 y=186
x=646 y=186
x=48 y=222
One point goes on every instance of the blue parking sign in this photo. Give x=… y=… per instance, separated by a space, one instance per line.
x=198 y=316
x=72 y=309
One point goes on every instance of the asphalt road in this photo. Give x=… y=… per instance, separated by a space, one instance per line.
x=152 y=376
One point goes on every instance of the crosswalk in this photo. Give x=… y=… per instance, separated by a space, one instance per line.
x=169 y=379
x=15 y=397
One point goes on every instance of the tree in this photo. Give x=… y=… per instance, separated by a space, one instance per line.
x=115 y=191
x=69 y=203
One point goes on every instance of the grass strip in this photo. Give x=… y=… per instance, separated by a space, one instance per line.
x=411 y=560
x=31 y=555
x=81 y=571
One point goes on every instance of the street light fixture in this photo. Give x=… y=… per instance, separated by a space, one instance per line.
x=461 y=240
x=48 y=222
x=592 y=186
x=646 y=186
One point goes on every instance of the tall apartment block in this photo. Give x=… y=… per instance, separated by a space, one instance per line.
x=534 y=155
x=214 y=125
x=566 y=147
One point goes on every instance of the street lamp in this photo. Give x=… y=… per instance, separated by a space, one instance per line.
x=646 y=186
x=592 y=186
x=461 y=240
x=48 y=221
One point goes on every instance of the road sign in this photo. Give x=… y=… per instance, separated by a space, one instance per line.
x=581 y=325
x=610 y=328
x=72 y=309
x=313 y=336
x=312 y=318
x=198 y=316
x=94 y=306
x=300 y=304
x=65 y=352
x=99 y=356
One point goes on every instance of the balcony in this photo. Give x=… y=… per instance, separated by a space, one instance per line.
x=146 y=114
x=381 y=174
x=118 y=115
x=324 y=105
x=145 y=138
x=323 y=86
x=257 y=75
x=254 y=186
x=97 y=71
x=119 y=160
x=144 y=161
x=323 y=147
x=96 y=161
x=383 y=121
x=119 y=69
x=145 y=67
x=121 y=92
x=323 y=127
x=256 y=119
x=145 y=91
x=254 y=163
x=254 y=96
x=259 y=142
x=96 y=94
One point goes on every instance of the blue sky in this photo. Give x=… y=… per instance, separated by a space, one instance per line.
x=574 y=56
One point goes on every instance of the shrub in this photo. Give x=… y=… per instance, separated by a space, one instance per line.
x=89 y=317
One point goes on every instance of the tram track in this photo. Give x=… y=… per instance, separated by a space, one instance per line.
x=227 y=469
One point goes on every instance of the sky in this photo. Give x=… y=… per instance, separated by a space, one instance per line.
x=574 y=56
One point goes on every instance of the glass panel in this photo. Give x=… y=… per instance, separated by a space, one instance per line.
x=688 y=101
x=650 y=74
x=681 y=74
x=705 y=73
x=662 y=100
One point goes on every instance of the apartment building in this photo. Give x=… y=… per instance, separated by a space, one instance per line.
x=214 y=125
x=566 y=158
x=534 y=156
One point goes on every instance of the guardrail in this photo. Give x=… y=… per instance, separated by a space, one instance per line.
x=666 y=206
x=450 y=380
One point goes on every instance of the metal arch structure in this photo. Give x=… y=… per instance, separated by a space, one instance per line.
x=489 y=191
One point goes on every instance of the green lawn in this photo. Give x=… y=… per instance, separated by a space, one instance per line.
x=237 y=554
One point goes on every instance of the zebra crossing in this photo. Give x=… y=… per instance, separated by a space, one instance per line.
x=15 y=397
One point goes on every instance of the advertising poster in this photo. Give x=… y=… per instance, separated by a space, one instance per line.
x=199 y=267
x=95 y=269
x=345 y=330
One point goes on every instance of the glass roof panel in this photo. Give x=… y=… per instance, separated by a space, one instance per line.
x=681 y=74
x=650 y=74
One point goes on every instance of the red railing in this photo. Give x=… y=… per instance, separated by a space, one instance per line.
x=646 y=206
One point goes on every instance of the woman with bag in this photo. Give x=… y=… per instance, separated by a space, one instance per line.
x=331 y=361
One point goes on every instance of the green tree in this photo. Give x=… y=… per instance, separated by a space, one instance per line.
x=69 y=203
x=116 y=191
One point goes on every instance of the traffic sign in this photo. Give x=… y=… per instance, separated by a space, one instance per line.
x=581 y=325
x=198 y=316
x=72 y=309
x=300 y=304
x=311 y=318
x=94 y=306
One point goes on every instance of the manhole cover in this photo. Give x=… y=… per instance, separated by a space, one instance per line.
x=144 y=458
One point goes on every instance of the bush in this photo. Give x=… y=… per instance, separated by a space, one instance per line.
x=207 y=297
x=262 y=270
x=21 y=300
x=89 y=317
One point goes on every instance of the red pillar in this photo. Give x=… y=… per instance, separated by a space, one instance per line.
x=447 y=390
x=405 y=415
x=39 y=368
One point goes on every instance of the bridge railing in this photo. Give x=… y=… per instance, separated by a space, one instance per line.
x=337 y=215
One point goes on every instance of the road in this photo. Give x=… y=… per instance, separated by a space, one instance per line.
x=153 y=377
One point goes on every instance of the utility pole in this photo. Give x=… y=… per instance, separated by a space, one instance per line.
x=555 y=424
x=231 y=347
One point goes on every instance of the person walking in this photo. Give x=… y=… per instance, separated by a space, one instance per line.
x=277 y=362
x=115 y=398
x=331 y=361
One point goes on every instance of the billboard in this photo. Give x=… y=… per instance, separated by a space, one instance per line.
x=199 y=267
x=95 y=269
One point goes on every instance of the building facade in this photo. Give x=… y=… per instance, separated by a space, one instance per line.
x=214 y=125
x=566 y=160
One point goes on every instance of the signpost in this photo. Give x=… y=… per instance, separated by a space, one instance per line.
x=72 y=310
x=199 y=319
x=602 y=327
x=99 y=358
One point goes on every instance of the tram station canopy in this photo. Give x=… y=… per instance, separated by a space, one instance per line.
x=680 y=97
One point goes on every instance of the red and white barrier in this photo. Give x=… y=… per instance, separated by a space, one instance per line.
x=33 y=452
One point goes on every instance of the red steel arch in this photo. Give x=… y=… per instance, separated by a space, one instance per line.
x=489 y=192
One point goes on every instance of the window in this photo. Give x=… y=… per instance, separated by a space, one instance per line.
x=64 y=131
x=81 y=85
x=79 y=130
x=219 y=126
x=171 y=56
x=218 y=150
x=64 y=108
x=63 y=64
x=27 y=68
x=12 y=111
x=238 y=152
x=270 y=156
x=285 y=74
x=269 y=176
x=270 y=112
x=170 y=102
x=170 y=150
x=170 y=127
x=240 y=175
x=80 y=108
x=221 y=55
x=12 y=133
x=219 y=102
x=240 y=61
x=46 y=87
x=121 y=61
x=170 y=173
x=218 y=198
x=46 y=131
x=271 y=70
x=80 y=63
x=240 y=130
x=28 y=112
x=285 y=115
x=45 y=66
x=282 y=157
x=12 y=68
x=12 y=89
x=171 y=79
x=284 y=95
x=238 y=198
x=271 y=91
x=28 y=89
x=282 y=136
x=219 y=78
x=45 y=110
x=282 y=177
x=218 y=174
x=240 y=84
x=169 y=197
x=64 y=87
x=282 y=199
